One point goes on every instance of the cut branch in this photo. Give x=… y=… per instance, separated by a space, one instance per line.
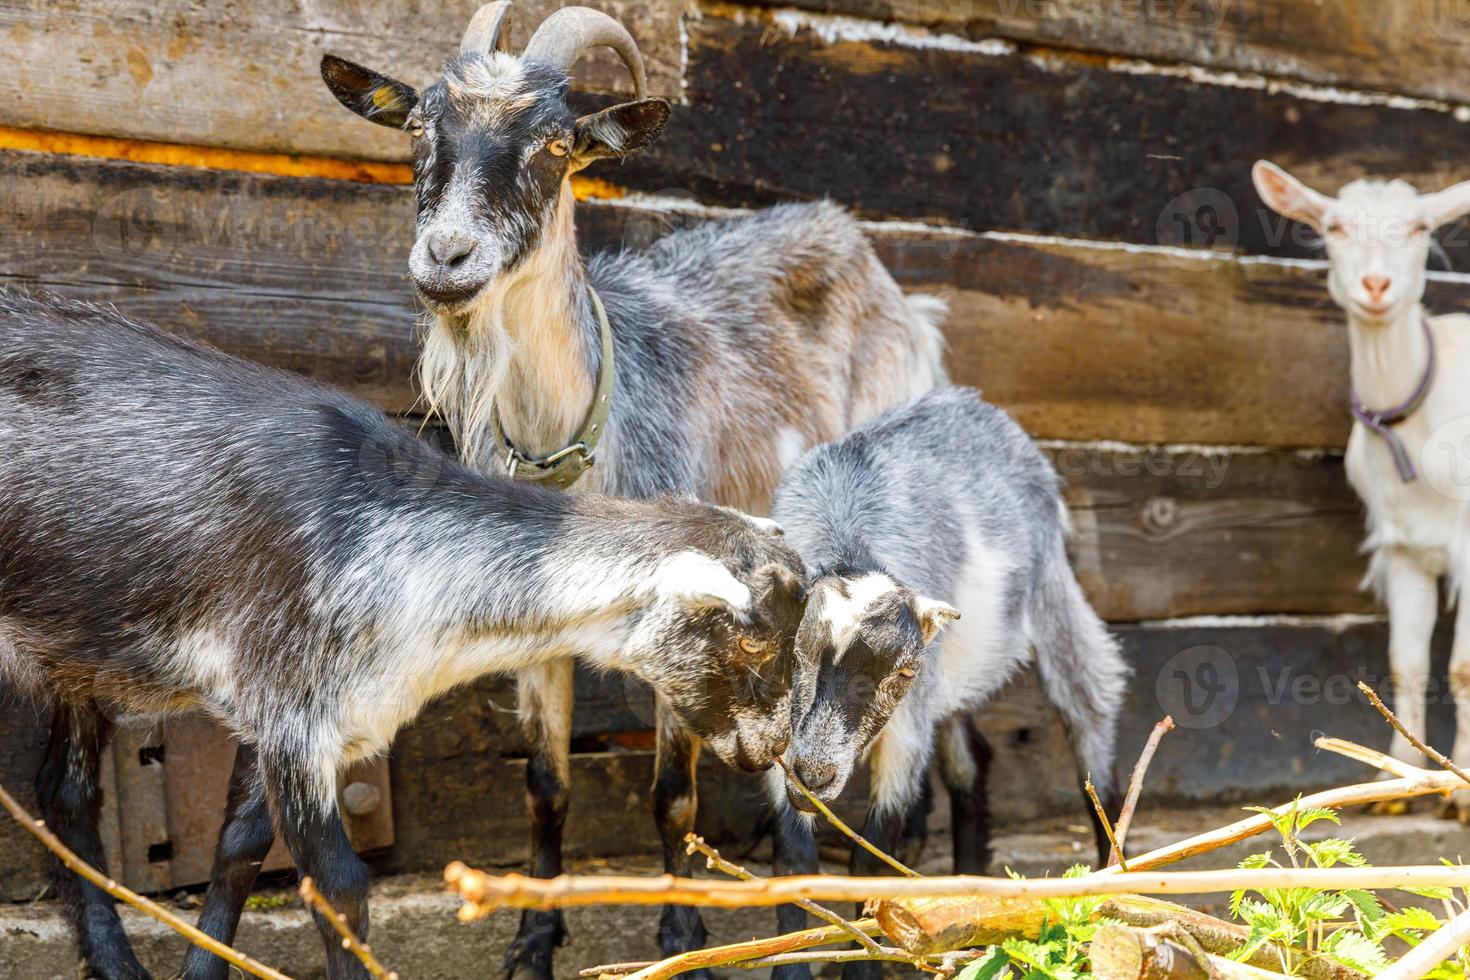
x=736 y=953
x=1162 y=953
x=1107 y=826
x=1135 y=785
x=1417 y=782
x=484 y=893
x=1413 y=739
x=152 y=909
x=350 y=942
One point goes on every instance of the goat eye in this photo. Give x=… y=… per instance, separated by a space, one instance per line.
x=908 y=672
x=1422 y=228
x=559 y=147
x=416 y=130
x=750 y=646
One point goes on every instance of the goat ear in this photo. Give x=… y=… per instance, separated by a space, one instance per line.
x=701 y=582
x=1288 y=196
x=376 y=98
x=619 y=131
x=1447 y=205
x=933 y=615
x=779 y=582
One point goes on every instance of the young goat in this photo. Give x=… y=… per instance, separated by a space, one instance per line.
x=184 y=530
x=1406 y=454
x=881 y=530
x=734 y=346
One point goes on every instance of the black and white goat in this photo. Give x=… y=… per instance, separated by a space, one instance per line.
x=182 y=530
x=737 y=344
x=940 y=507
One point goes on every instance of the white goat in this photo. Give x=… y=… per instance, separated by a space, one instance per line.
x=1411 y=419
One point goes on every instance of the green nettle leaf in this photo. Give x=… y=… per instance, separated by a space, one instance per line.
x=1261 y=860
x=988 y=967
x=1355 y=950
x=1311 y=814
x=1323 y=906
x=1368 y=911
x=1335 y=850
x=1437 y=892
x=1411 y=924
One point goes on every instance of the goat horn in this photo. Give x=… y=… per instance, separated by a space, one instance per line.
x=562 y=37
x=489 y=30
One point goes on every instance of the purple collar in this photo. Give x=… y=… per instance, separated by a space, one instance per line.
x=1383 y=422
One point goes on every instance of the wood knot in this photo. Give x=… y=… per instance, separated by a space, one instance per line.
x=1160 y=514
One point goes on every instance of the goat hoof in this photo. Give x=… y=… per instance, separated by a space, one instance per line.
x=530 y=954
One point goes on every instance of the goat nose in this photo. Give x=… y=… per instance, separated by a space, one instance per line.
x=448 y=250
x=815 y=776
x=1376 y=286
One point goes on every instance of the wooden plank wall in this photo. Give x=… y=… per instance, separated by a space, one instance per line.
x=1072 y=178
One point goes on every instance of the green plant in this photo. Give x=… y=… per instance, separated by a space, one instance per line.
x=1059 y=952
x=1307 y=922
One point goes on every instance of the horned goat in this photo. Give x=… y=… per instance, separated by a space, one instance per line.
x=726 y=349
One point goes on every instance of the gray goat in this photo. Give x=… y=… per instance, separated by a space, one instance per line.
x=183 y=530
x=940 y=507
x=736 y=345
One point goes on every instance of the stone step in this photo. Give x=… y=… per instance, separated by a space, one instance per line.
x=416 y=933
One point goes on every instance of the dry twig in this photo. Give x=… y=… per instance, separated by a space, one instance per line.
x=1135 y=785
x=148 y=907
x=837 y=822
x=736 y=953
x=357 y=947
x=485 y=893
x=1413 y=740
x=696 y=843
x=1107 y=826
x=1413 y=782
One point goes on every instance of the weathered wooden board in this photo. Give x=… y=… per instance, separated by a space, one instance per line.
x=1162 y=534
x=245 y=75
x=1414 y=48
x=1052 y=142
x=1093 y=343
x=1081 y=342
x=303 y=274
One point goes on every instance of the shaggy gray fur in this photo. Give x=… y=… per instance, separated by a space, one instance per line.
x=942 y=498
